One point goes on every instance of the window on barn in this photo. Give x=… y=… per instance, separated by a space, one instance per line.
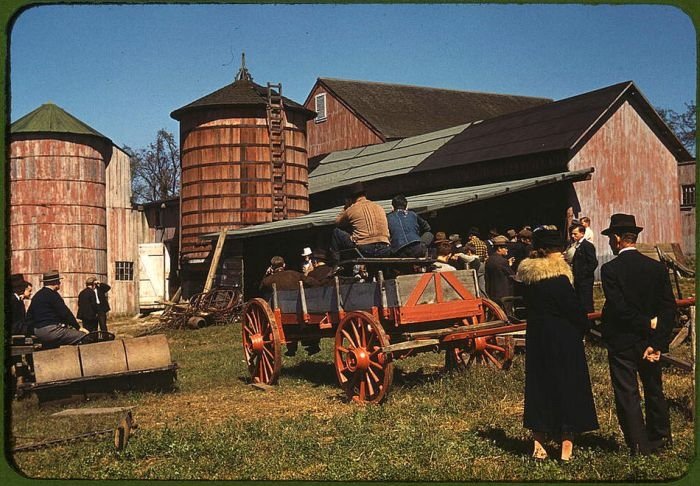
x=124 y=270
x=688 y=196
x=320 y=107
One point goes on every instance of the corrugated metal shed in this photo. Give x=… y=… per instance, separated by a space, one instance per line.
x=374 y=161
x=400 y=111
x=422 y=203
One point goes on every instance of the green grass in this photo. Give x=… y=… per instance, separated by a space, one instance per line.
x=435 y=426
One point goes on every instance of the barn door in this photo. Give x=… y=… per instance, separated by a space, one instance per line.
x=154 y=267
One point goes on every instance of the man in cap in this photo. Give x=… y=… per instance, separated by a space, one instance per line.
x=499 y=272
x=638 y=318
x=21 y=291
x=54 y=323
x=87 y=305
x=362 y=225
x=322 y=272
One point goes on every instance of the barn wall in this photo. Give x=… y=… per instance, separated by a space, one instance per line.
x=686 y=175
x=342 y=129
x=124 y=233
x=634 y=174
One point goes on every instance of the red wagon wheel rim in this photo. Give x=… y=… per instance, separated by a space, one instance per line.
x=493 y=351
x=362 y=369
x=261 y=342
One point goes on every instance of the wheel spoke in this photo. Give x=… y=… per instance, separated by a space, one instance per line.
x=492 y=359
x=495 y=347
x=376 y=365
x=349 y=338
x=362 y=390
x=248 y=330
x=370 y=372
x=342 y=349
x=269 y=353
x=369 y=385
x=364 y=334
x=356 y=334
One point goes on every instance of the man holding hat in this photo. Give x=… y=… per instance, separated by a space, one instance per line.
x=87 y=305
x=362 y=225
x=21 y=291
x=499 y=273
x=54 y=323
x=638 y=318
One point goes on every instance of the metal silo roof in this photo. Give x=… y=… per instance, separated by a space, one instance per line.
x=49 y=118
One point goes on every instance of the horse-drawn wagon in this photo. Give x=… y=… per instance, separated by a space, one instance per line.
x=376 y=323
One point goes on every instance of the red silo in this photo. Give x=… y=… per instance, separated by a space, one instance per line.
x=244 y=161
x=57 y=214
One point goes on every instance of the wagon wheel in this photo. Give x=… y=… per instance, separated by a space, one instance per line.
x=363 y=371
x=494 y=351
x=261 y=342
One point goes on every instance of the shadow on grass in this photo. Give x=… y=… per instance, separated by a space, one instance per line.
x=316 y=372
x=682 y=405
x=416 y=378
x=516 y=445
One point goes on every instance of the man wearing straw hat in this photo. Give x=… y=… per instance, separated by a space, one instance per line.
x=638 y=318
x=54 y=323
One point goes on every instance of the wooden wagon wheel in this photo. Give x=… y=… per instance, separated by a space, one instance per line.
x=363 y=371
x=261 y=342
x=494 y=351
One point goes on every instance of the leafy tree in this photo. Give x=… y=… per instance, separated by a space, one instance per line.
x=682 y=124
x=155 y=170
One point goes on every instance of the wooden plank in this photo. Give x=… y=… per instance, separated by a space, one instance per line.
x=453 y=330
x=215 y=260
x=421 y=343
x=90 y=411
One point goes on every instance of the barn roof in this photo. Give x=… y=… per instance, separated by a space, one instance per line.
x=50 y=118
x=399 y=111
x=242 y=92
x=562 y=125
x=422 y=203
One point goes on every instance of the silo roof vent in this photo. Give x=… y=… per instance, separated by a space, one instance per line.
x=243 y=73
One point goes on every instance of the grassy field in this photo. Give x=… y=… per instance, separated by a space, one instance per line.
x=435 y=426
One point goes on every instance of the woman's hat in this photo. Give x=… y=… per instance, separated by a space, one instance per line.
x=547 y=238
x=51 y=276
x=622 y=223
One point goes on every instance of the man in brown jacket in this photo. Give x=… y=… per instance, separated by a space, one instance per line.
x=362 y=225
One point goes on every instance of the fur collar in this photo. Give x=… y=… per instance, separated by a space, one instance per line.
x=532 y=270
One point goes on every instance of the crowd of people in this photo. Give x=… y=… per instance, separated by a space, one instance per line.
x=49 y=318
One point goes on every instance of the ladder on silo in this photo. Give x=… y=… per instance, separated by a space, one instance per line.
x=275 y=124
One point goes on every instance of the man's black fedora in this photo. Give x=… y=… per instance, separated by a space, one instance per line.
x=621 y=223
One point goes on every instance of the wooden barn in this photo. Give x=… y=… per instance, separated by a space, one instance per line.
x=686 y=182
x=70 y=207
x=600 y=147
x=358 y=113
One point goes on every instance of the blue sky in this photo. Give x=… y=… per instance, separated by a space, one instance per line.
x=123 y=69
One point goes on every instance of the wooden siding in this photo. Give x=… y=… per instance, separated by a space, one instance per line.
x=123 y=235
x=686 y=176
x=341 y=130
x=634 y=174
x=227 y=174
x=58 y=216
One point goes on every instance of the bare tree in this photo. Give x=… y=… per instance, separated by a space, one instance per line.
x=155 y=171
x=682 y=124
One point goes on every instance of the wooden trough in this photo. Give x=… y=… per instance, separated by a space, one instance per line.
x=142 y=363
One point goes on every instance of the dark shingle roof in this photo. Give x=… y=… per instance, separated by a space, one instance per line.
x=49 y=118
x=562 y=125
x=242 y=92
x=399 y=111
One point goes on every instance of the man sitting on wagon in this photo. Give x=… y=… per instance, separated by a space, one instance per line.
x=322 y=273
x=362 y=225
x=284 y=279
x=409 y=233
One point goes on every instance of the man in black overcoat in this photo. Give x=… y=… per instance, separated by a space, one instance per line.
x=54 y=323
x=499 y=273
x=87 y=305
x=583 y=265
x=638 y=318
x=21 y=291
x=103 y=307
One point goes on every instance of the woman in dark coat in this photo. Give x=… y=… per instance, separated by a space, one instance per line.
x=558 y=396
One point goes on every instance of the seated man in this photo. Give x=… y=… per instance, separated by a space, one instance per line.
x=409 y=233
x=54 y=323
x=322 y=272
x=362 y=225
x=444 y=253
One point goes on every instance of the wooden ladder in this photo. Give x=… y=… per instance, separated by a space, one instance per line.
x=275 y=124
